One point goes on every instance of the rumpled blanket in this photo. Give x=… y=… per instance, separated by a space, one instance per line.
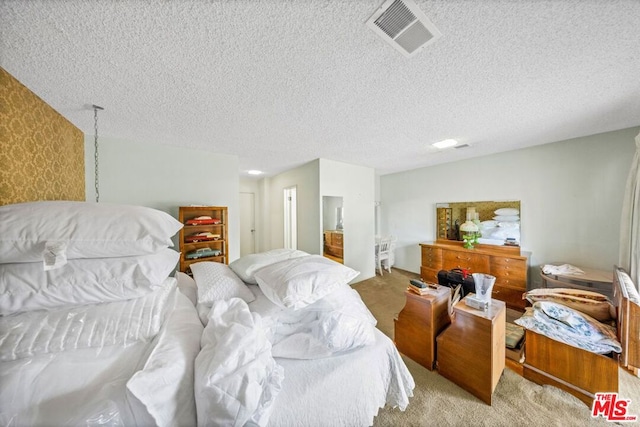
x=236 y=378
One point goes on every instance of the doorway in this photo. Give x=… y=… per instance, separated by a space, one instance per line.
x=247 y=224
x=290 y=219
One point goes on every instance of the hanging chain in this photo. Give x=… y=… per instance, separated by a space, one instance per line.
x=95 y=145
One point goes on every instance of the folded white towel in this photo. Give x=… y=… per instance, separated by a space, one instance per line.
x=564 y=269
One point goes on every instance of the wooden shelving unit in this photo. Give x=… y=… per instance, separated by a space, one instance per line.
x=221 y=244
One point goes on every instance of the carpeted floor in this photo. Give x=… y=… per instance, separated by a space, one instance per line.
x=439 y=402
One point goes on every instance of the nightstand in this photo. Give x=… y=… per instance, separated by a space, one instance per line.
x=471 y=350
x=420 y=321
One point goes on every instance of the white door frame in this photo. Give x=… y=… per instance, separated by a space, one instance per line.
x=247 y=223
x=290 y=218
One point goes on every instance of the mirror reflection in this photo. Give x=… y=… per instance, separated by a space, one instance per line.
x=333 y=228
x=497 y=222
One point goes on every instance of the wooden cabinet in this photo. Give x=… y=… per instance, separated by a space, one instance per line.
x=508 y=264
x=209 y=237
x=420 y=321
x=471 y=350
x=333 y=244
x=574 y=370
x=431 y=263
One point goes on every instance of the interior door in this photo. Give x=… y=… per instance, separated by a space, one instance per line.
x=247 y=224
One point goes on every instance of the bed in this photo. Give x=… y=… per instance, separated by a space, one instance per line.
x=96 y=328
x=308 y=348
x=585 y=371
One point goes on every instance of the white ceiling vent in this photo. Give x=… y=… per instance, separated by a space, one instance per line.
x=402 y=24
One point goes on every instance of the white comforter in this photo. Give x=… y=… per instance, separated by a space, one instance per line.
x=122 y=363
x=239 y=382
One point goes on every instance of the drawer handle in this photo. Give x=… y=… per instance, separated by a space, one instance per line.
x=466 y=259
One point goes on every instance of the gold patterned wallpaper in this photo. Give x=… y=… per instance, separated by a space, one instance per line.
x=41 y=152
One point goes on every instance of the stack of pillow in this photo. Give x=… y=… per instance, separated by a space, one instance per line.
x=505 y=225
x=62 y=253
x=511 y=215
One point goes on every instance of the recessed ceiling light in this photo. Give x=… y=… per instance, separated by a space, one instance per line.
x=254 y=172
x=446 y=143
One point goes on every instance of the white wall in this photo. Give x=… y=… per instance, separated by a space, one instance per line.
x=570 y=192
x=306 y=180
x=356 y=186
x=165 y=177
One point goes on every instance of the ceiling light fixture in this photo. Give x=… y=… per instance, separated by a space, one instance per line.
x=446 y=143
x=254 y=172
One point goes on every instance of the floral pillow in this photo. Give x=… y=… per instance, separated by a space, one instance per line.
x=570 y=326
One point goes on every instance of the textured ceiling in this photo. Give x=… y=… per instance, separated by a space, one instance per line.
x=280 y=83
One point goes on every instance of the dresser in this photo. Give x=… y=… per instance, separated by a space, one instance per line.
x=508 y=264
x=333 y=244
x=420 y=321
x=471 y=350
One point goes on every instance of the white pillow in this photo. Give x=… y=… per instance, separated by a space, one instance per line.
x=507 y=218
x=216 y=281
x=507 y=224
x=298 y=282
x=489 y=224
x=90 y=230
x=507 y=211
x=187 y=286
x=27 y=287
x=246 y=266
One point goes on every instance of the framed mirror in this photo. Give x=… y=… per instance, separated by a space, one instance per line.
x=498 y=222
x=332 y=228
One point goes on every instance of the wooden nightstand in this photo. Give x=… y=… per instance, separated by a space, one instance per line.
x=420 y=321
x=471 y=350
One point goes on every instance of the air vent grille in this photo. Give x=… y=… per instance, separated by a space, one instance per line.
x=395 y=19
x=402 y=24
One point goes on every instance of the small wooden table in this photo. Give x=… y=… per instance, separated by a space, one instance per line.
x=420 y=321
x=471 y=350
x=592 y=280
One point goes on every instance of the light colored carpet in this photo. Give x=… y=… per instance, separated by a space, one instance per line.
x=439 y=402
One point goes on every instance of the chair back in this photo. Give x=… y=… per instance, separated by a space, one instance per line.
x=384 y=247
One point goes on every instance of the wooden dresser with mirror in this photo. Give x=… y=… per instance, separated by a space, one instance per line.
x=507 y=263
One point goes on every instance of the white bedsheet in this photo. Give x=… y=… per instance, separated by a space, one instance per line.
x=85 y=326
x=343 y=390
x=136 y=376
